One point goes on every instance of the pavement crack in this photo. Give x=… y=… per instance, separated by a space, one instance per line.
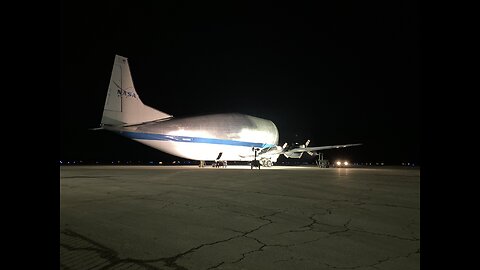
x=344 y=230
x=394 y=205
x=313 y=222
x=245 y=254
x=374 y=265
x=171 y=261
x=308 y=227
x=215 y=266
x=387 y=235
x=262 y=244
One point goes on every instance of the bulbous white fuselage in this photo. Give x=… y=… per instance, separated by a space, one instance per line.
x=205 y=137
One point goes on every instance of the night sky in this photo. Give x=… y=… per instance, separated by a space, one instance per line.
x=334 y=73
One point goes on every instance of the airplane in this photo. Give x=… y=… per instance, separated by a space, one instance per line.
x=213 y=137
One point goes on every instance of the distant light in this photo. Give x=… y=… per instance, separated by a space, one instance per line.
x=345 y=163
x=382 y=163
x=339 y=163
x=160 y=162
x=60 y=162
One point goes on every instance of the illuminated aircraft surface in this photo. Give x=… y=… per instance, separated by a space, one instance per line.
x=227 y=136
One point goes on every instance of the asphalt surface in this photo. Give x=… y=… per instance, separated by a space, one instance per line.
x=166 y=217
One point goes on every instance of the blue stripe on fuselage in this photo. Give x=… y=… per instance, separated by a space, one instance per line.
x=162 y=137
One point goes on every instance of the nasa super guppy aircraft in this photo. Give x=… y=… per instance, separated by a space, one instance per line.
x=226 y=136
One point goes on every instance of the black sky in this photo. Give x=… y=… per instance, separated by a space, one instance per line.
x=333 y=73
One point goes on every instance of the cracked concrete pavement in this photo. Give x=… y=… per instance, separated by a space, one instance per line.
x=155 y=217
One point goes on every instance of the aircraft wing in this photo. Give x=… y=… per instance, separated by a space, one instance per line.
x=318 y=148
x=295 y=152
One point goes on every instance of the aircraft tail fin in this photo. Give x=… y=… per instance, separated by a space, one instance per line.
x=123 y=105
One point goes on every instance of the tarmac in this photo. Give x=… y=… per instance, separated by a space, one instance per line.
x=172 y=217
